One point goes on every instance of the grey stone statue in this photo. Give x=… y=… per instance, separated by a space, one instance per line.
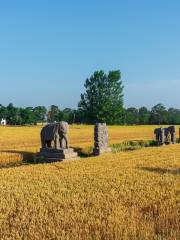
x=55 y=145
x=55 y=132
x=159 y=133
x=170 y=134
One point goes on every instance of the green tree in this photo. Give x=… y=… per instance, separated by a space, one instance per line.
x=3 y=112
x=159 y=115
x=173 y=116
x=54 y=114
x=132 y=116
x=103 y=98
x=12 y=115
x=144 y=115
x=68 y=115
x=26 y=116
x=78 y=116
x=39 y=114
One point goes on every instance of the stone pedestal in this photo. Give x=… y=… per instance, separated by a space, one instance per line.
x=53 y=155
x=98 y=151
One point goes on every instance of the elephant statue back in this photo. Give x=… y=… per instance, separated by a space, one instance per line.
x=49 y=131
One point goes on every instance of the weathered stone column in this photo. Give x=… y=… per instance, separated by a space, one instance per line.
x=162 y=136
x=101 y=144
x=173 y=135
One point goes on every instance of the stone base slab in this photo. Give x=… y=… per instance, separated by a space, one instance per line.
x=99 y=151
x=53 y=155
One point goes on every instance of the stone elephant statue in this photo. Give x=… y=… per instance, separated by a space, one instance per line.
x=54 y=132
x=159 y=133
x=170 y=134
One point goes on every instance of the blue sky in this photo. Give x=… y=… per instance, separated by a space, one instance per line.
x=48 y=49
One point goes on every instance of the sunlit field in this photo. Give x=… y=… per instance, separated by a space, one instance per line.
x=124 y=195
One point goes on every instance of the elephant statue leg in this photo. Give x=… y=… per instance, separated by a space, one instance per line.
x=49 y=144
x=60 y=141
x=61 y=138
x=56 y=143
x=66 y=140
x=43 y=143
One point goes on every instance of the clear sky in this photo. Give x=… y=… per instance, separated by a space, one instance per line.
x=49 y=47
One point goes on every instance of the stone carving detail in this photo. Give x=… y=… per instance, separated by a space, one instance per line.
x=101 y=139
x=55 y=146
x=165 y=135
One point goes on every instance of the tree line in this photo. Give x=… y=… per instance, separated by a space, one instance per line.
x=34 y=115
x=130 y=116
x=102 y=101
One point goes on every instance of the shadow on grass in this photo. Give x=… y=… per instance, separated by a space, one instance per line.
x=29 y=158
x=175 y=171
x=24 y=154
x=84 y=152
x=26 y=159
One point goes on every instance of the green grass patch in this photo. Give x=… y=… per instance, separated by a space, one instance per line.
x=133 y=145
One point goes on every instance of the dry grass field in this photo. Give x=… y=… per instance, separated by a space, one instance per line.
x=125 y=195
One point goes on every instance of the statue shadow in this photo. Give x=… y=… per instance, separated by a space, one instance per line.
x=161 y=171
x=26 y=159
x=84 y=153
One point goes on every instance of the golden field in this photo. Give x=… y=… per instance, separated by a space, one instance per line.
x=125 y=195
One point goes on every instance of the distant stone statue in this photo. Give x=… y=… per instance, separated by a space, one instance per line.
x=55 y=132
x=165 y=135
x=101 y=144
x=170 y=134
x=159 y=133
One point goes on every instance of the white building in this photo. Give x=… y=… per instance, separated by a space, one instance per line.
x=3 y=122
